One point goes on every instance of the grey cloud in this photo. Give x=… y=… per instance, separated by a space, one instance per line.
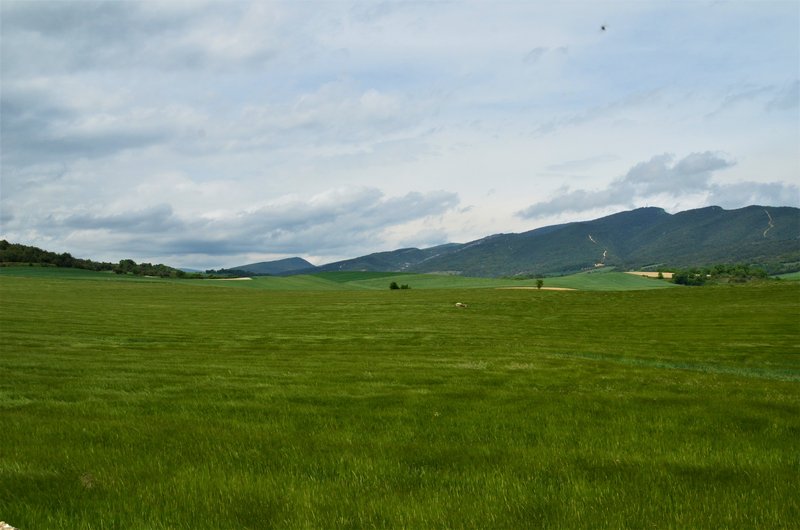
x=154 y=219
x=5 y=217
x=336 y=223
x=700 y=164
x=573 y=201
x=181 y=245
x=43 y=146
x=746 y=193
x=36 y=128
x=58 y=18
x=65 y=36
x=660 y=174
x=57 y=36
x=413 y=206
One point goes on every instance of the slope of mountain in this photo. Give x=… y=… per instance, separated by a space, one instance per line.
x=281 y=266
x=405 y=259
x=645 y=237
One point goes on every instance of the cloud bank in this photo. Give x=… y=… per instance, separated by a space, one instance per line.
x=339 y=222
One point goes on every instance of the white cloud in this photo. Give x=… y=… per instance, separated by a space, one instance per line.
x=659 y=175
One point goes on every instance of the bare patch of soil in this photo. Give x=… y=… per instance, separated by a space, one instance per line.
x=650 y=274
x=541 y=288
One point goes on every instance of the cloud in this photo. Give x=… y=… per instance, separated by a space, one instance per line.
x=787 y=98
x=572 y=201
x=762 y=193
x=659 y=175
x=425 y=238
x=333 y=221
x=61 y=37
x=739 y=96
x=338 y=222
x=581 y=164
x=38 y=126
x=5 y=217
x=337 y=112
x=154 y=219
x=536 y=54
x=772 y=98
x=632 y=102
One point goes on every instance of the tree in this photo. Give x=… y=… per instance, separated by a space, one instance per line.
x=127 y=266
x=64 y=260
x=539 y=283
x=689 y=277
x=393 y=286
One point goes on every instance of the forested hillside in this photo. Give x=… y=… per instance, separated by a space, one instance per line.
x=16 y=254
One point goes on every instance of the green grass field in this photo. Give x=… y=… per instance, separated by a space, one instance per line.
x=138 y=403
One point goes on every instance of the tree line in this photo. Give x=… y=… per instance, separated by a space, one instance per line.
x=14 y=253
x=722 y=273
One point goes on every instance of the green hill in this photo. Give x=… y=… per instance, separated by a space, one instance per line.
x=642 y=238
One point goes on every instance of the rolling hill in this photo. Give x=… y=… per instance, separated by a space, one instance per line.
x=277 y=267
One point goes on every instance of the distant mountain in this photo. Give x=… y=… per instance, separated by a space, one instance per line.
x=642 y=238
x=277 y=267
x=405 y=259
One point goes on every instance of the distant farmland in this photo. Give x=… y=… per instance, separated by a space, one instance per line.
x=332 y=402
x=598 y=280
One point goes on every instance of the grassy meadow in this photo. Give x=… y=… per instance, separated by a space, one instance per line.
x=139 y=403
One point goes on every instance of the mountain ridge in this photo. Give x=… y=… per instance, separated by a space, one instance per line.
x=648 y=237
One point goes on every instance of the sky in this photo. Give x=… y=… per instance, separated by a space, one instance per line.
x=215 y=134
